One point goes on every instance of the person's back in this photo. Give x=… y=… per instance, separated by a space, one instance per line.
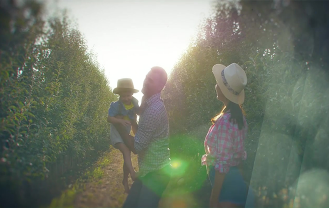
x=224 y=142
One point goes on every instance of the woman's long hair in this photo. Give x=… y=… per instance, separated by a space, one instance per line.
x=236 y=111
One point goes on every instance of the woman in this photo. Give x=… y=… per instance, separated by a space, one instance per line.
x=224 y=143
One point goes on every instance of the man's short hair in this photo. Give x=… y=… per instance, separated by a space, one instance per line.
x=162 y=75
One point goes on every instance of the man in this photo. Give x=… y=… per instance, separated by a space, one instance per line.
x=151 y=143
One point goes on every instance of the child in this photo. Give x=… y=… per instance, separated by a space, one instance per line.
x=124 y=111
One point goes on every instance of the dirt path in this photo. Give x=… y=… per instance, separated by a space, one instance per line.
x=105 y=189
x=101 y=187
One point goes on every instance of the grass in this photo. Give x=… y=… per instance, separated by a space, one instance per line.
x=98 y=186
x=94 y=174
x=105 y=162
x=66 y=199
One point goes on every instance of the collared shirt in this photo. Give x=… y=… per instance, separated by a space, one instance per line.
x=224 y=144
x=151 y=139
x=118 y=108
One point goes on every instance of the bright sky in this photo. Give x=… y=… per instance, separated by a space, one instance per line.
x=130 y=36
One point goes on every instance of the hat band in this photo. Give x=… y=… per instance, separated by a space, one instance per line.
x=227 y=85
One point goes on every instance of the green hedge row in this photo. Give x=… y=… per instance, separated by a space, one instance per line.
x=287 y=95
x=54 y=96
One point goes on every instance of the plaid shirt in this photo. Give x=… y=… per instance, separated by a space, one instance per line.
x=224 y=144
x=151 y=139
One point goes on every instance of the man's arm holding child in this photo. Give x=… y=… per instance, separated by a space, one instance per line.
x=138 y=110
x=114 y=115
x=120 y=124
x=141 y=107
x=127 y=139
x=118 y=120
x=134 y=126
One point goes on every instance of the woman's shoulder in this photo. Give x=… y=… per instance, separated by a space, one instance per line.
x=225 y=120
x=225 y=117
x=222 y=120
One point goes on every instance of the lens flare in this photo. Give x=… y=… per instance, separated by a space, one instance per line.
x=178 y=167
x=176 y=164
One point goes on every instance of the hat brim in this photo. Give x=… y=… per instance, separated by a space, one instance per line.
x=217 y=70
x=120 y=89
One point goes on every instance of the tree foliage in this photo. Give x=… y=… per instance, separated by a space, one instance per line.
x=54 y=97
x=286 y=95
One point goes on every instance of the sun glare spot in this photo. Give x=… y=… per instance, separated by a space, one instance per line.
x=178 y=167
x=176 y=164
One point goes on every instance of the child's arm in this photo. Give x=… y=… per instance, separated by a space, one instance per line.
x=114 y=115
x=118 y=120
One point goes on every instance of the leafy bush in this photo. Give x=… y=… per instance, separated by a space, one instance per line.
x=54 y=97
x=286 y=95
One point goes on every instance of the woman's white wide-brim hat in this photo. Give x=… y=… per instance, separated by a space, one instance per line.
x=232 y=80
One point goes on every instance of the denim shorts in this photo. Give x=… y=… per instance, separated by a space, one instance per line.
x=234 y=189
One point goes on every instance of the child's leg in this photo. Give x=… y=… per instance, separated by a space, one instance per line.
x=127 y=159
x=125 y=178
x=125 y=172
